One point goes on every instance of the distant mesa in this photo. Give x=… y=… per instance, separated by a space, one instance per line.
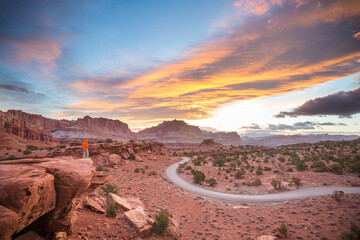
x=178 y=131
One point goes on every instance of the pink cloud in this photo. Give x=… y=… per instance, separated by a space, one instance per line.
x=258 y=7
x=43 y=52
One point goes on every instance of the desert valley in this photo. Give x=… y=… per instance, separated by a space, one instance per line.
x=180 y=120
x=49 y=190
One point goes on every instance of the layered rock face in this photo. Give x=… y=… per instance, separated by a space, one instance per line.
x=43 y=193
x=180 y=132
x=37 y=127
x=21 y=127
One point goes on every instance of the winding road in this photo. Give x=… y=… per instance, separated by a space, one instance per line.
x=297 y=194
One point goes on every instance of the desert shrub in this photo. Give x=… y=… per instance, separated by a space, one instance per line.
x=276 y=184
x=257 y=182
x=60 y=146
x=73 y=144
x=109 y=140
x=41 y=149
x=196 y=162
x=354 y=233
x=188 y=168
x=100 y=168
x=259 y=170
x=319 y=166
x=212 y=182
x=338 y=195
x=227 y=170
x=281 y=159
x=239 y=174
x=219 y=161
x=27 y=151
x=137 y=170
x=267 y=168
x=282 y=229
x=8 y=148
x=109 y=188
x=100 y=141
x=162 y=222
x=19 y=150
x=11 y=157
x=336 y=168
x=198 y=176
x=290 y=170
x=354 y=164
x=296 y=181
x=31 y=147
x=132 y=156
x=266 y=160
x=300 y=165
x=49 y=148
x=131 y=141
x=111 y=210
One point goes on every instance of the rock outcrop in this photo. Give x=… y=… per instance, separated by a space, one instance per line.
x=42 y=194
x=23 y=128
x=142 y=222
x=176 y=131
x=119 y=202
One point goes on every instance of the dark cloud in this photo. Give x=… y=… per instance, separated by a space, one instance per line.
x=11 y=83
x=252 y=127
x=13 y=88
x=301 y=126
x=342 y=103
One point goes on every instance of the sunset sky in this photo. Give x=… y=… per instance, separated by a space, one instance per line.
x=251 y=66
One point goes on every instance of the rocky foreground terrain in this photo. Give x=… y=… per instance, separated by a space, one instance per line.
x=43 y=195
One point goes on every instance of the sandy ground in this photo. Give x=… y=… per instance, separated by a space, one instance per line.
x=203 y=218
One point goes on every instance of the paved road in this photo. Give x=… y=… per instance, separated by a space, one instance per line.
x=297 y=194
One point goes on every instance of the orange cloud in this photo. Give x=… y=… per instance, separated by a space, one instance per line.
x=258 y=7
x=305 y=44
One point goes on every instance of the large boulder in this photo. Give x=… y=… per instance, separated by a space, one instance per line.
x=72 y=178
x=8 y=223
x=119 y=202
x=42 y=192
x=93 y=205
x=28 y=191
x=142 y=222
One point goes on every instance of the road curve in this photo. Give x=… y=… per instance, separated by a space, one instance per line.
x=297 y=194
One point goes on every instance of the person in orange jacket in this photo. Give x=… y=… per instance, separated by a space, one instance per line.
x=85 y=149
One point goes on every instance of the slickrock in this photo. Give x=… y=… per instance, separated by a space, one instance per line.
x=135 y=202
x=114 y=159
x=267 y=238
x=45 y=192
x=119 y=202
x=142 y=222
x=27 y=190
x=93 y=205
x=72 y=178
x=8 y=222
x=100 y=178
x=30 y=235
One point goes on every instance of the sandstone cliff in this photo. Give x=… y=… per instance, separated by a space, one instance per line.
x=178 y=131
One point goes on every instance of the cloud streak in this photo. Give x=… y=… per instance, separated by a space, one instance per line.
x=284 y=47
x=301 y=126
x=342 y=103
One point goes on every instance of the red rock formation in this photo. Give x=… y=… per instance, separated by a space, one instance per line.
x=180 y=132
x=22 y=127
x=42 y=192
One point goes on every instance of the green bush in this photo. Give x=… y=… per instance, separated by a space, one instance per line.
x=338 y=195
x=198 y=176
x=239 y=174
x=73 y=144
x=282 y=229
x=132 y=156
x=131 y=141
x=100 y=168
x=49 y=148
x=11 y=157
x=267 y=168
x=290 y=170
x=296 y=181
x=336 y=168
x=137 y=170
x=60 y=146
x=19 y=150
x=196 y=162
x=27 y=152
x=281 y=159
x=162 y=222
x=109 y=188
x=31 y=147
x=212 y=182
x=259 y=170
x=109 y=140
x=257 y=182
x=354 y=233
x=111 y=210
x=276 y=184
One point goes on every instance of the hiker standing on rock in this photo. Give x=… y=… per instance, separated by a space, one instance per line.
x=85 y=149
